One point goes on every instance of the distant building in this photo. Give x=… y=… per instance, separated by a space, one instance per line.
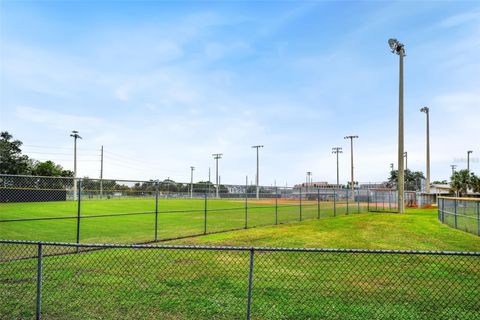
x=378 y=185
x=320 y=185
x=440 y=188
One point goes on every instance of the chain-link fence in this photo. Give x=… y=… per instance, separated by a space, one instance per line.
x=125 y=211
x=460 y=213
x=179 y=282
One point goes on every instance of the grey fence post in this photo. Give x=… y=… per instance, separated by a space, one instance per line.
x=156 y=211
x=318 y=203
x=205 y=211
x=455 y=212
x=300 y=203
x=368 y=200
x=334 y=202
x=246 y=203
x=39 y=281
x=389 y=201
x=79 y=203
x=250 y=283
x=443 y=212
x=478 y=218
x=347 y=202
x=276 y=205
x=358 y=200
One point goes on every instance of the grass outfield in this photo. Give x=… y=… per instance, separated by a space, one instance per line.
x=417 y=229
x=177 y=218
x=174 y=284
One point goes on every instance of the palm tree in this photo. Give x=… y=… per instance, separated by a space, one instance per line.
x=460 y=182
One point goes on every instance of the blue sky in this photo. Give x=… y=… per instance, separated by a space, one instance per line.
x=163 y=85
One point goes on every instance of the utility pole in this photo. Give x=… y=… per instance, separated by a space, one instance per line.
x=337 y=150
x=399 y=49
x=391 y=166
x=453 y=166
x=426 y=110
x=191 y=181
x=75 y=136
x=101 y=173
x=352 y=186
x=258 y=174
x=468 y=160
x=217 y=156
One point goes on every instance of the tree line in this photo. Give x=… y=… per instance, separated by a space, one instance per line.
x=12 y=161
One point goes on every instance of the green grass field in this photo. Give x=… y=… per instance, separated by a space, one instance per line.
x=175 y=284
x=176 y=218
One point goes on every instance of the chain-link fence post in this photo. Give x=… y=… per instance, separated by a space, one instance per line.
x=478 y=218
x=250 y=283
x=455 y=212
x=39 y=281
x=300 y=203
x=334 y=202
x=246 y=203
x=443 y=211
x=156 y=210
x=368 y=200
x=318 y=203
x=348 y=210
x=389 y=201
x=276 y=205
x=205 y=209
x=358 y=200
x=79 y=210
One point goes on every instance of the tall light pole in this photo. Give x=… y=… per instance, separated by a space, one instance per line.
x=75 y=136
x=399 y=49
x=453 y=166
x=426 y=110
x=191 y=181
x=468 y=159
x=337 y=150
x=257 y=177
x=217 y=156
x=351 y=161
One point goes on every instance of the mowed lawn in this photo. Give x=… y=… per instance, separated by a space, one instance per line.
x=417 y=229
x=133 y=220
x=199 y=284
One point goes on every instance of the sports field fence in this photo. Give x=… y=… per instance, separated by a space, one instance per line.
x=40 y=280
x=460 y=213
x=128 y=211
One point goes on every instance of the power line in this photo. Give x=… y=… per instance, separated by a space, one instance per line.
x=56 y=147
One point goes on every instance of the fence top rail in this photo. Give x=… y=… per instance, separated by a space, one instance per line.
x=232 y=248
x=461 y=199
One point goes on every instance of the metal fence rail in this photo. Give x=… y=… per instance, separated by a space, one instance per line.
x=170 y=282
x=126 y=211
x=460 y=213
